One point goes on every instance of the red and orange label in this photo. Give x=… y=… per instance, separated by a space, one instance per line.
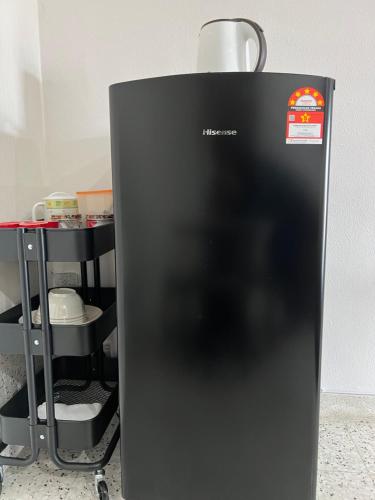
x=305 y=117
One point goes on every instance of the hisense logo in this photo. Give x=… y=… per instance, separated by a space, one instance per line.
x=210 y=131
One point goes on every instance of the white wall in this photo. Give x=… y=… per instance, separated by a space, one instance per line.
x=21 y=145
x=88 y=44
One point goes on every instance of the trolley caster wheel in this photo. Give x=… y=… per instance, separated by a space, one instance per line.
x=100 y=485
x=103 y=490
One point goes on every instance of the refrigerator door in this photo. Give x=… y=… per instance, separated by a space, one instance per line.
x=220 y=240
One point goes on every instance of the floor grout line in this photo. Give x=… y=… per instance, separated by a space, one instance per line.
x=368 y=473
x=343 y=424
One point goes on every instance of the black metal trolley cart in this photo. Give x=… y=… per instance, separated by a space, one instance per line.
x=74 y=366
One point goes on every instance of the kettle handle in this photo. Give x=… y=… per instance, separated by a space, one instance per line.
x=262 y=56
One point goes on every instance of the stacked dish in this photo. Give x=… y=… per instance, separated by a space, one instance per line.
x=66 y=307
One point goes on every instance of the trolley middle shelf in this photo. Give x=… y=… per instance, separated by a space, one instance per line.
x=74 y=381
x=67 y=340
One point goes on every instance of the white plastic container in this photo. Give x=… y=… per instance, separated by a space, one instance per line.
x=97 y=203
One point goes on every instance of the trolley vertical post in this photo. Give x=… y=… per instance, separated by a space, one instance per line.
x=29 y=359
x=84 y=285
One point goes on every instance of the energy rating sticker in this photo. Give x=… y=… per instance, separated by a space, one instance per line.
x=305 y=117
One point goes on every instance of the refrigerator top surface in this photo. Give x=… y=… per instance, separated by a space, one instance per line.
x=238 y=74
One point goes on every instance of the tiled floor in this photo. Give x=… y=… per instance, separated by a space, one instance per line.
x=347 y=448
x=346 y=460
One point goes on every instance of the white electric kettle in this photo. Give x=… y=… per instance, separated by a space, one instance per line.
x=231 y=45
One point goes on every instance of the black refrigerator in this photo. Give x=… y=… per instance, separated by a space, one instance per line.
x=220 y=191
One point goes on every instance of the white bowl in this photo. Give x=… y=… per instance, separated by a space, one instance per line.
x=65 y=307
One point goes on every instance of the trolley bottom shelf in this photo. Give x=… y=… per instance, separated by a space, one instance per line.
x=74 y=382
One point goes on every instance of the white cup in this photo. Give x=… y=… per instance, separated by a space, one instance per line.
x=65 y=307
x=56 y=204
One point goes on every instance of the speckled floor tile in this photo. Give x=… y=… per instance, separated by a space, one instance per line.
x=345 y=486
x=363 y=435
x=39 y=481
x=337 y=451
x=43 y=481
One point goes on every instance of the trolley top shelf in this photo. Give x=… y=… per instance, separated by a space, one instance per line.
x=63 y=245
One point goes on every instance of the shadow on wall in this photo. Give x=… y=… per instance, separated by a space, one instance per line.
x=79 y=165
x=22 y=173
x=78 y=142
